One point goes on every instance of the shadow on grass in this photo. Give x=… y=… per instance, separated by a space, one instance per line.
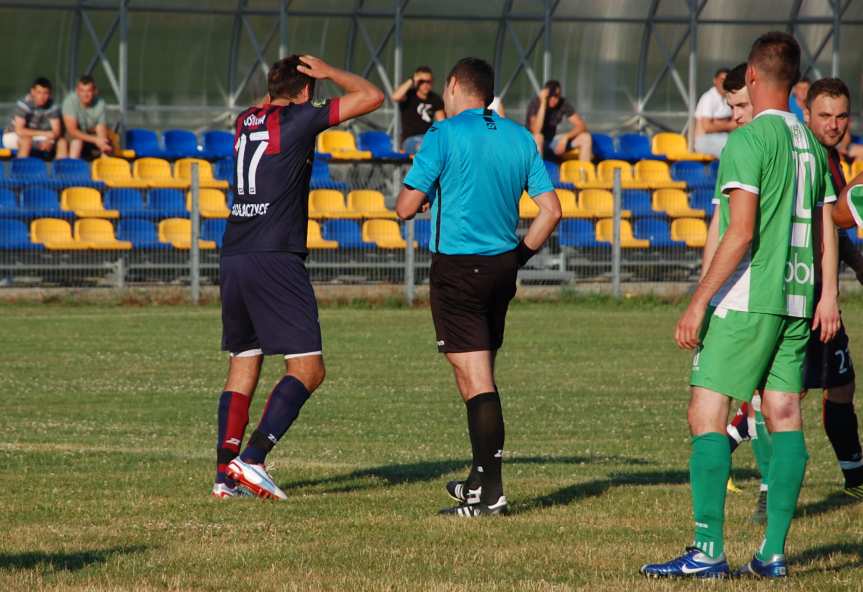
x=819 y=553
x=72 y=561
x=832 y=502
x=431 y=470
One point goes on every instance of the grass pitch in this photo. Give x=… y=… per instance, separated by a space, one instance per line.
x=108 y=422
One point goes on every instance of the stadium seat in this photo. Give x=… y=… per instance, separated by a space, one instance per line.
x=675 y=147
x=347 y=233
x=15 y=236
x=694 y=174
x=380 y=145
x=8 y=203
x=55 y=235
x=657 y=175
x=213 y=229
x=605 y=172
x=321 y=178
x=856 y=169
x=553 y=170
x=183 y=172
x=340 y=144
x=167 y=203
x=115 y=172
x=635 y=147
x=141 y=233
x=128 y=202
x=599 y=203
x=99 y=234
x=569 y=205
x=180 y=143
x=73 y=172
x=577 y=233
x=605 y=234
x=582 y=175
x=657 y=231
x=422 y=232
x=604 y=148
x=328 y=203
x=638 y=201
x=85 y=202
x=527 y=208
x=386 y=234
x=219 y=144
x=145 y=143
x=366 y=203
x=156 y=173
x=315 y=240
x=42 y=202
x=29 y=168
x=675 y=204
x=5 y=153
x=702 y=199
x=224 y=169
x=691 y=231
x=211 y=203
x=178 y=233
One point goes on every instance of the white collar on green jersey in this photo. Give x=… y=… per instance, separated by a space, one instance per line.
x=776 y=112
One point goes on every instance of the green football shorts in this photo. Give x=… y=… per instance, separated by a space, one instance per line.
x=744 y=351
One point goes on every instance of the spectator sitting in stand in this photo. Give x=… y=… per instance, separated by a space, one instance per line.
x=420 y=107
x=797 y=100
x=35 y=124
x=713 y=118
x=545 y=113
x=84 y=118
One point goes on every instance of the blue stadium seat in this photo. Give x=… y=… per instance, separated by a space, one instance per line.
x=8 y=203
x=29 y=168
x=347 y=233
x=657 y=231
x=701 y=199
x=73 y=172
x=180 y=143
x=638 y=201
x=694 y=173
x=636 y=147
x=577 y=233
x=713 y=167
x=321 y=178
x=553 y=170
x=15 y=235
x=604 y=148
x=41 y=202
x=167 y=203
x=213 y=229
x=128 y=201
x=219 y=144
x=142 y=233
x=379 y=144
x=422 y=232
x=224 y=169
x=145 y=143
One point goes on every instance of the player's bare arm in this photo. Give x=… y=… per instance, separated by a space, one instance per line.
x=409 y=202
x=731 y=250
x=710 y=244
x=826 y=315
x=361 y=96
x=545 y=222
x=842 y=216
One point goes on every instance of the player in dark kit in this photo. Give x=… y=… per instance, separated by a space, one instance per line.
x=268 y=305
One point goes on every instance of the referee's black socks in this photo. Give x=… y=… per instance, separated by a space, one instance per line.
x=840 y=423
x=485 y=423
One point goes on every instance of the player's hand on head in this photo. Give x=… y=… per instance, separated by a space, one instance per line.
x=314 y=67
x=688 y=330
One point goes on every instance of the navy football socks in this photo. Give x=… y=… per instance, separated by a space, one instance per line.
x=282 y=409
x=232 y=419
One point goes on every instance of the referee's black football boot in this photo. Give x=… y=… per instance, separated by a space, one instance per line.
x=478 y=510
x=460 y=492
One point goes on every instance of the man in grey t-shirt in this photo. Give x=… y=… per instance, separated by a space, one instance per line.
x=84 y=118
x=35 y=123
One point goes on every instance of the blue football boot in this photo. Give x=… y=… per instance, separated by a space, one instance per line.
x=774 y=568
x=692 y=564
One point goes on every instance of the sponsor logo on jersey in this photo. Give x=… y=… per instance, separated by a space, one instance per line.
x=249 y=210
x=799 y=272
x=252 y=121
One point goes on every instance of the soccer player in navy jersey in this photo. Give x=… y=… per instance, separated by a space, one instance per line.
x=268 y=305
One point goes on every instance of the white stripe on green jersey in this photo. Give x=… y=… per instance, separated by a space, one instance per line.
x=779 y=160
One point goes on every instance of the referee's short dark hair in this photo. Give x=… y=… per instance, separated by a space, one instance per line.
x=735 y=79
x=832 y=87
x=284 y=81
x=476 y=76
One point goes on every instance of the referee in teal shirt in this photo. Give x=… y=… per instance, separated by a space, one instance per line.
x=472 y=169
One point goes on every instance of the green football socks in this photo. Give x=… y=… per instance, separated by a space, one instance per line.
x=709 y=467
x=787 y=467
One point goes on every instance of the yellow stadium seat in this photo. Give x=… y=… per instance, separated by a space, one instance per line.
x=605 y=172
x=856 y=168
x=386 y=234
x=100 y=234
x=211 y=203
x=156 y=173
x=599 y=203
x=328 y=203
x=860 y=232
x=341 y=144
x=675 y=204
x=178 y=232
x=55 y=234
x=315 y=240
x=527 y=208
x=86 y=202
x=569 y=205
x=675 y=147
x=582 y=174
x=846 y=170
x=183 y=172
x=692 y=231
x=366 y=203
x=5 y=153
x=605 y=234
x=657 y=175
x=115 y=172
x=571 y=154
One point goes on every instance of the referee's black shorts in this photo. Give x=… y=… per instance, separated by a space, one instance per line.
x=470 y=295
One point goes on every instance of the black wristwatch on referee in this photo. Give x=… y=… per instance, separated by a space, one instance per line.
x=524 y=253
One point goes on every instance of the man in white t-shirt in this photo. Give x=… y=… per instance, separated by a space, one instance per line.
x=713 y=117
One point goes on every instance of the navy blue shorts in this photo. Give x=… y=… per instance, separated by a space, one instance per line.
x=268 y=304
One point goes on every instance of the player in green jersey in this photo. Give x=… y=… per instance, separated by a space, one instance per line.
x=759 y=290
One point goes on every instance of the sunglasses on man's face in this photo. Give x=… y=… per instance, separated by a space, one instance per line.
x=424 y=81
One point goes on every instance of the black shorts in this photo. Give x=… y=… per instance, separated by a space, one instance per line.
x=470 y=295
x=828 y=365
x=268 y=304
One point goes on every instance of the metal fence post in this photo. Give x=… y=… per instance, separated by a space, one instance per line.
x=195 y=251
x=615 y=245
